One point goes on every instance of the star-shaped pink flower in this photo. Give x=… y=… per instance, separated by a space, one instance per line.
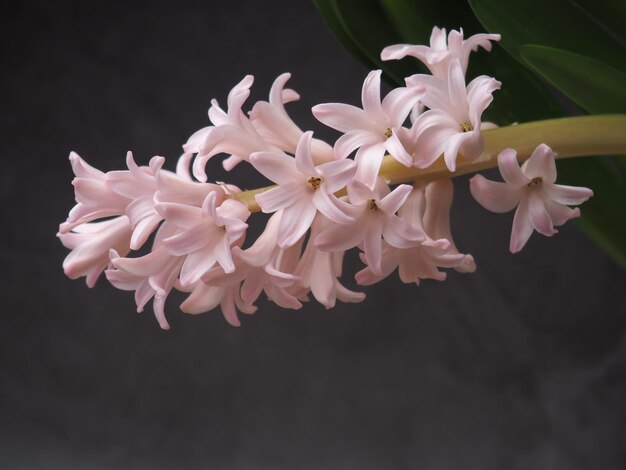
x=441 y=52
x=303 y=188
x=373 y=129
x=541 y=204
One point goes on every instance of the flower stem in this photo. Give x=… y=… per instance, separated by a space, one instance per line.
x=569 y=137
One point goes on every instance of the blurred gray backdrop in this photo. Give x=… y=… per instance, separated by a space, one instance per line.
x=520 y=365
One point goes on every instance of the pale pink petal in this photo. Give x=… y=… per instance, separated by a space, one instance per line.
x=400 y=234
x=397 y=150
x=368 y=159
x=569 y=195
x=495 y=197
x=277 y=167
x=231 y=162
x=253 y=285
x=352 y=140
x=304 y=159
x=188 y=241
x=431 y=144
x=372 y=244
x=343 y=117
x=539 y=217
x=392 y=201
x=359 y=193
x=541 y=164
x=143 y=230
x=143 y=266
x=510 y=169
x=398 y=103
x=340 y=238
x=336 y=175
x=279 y=197
x=195 y=265
x=522 y=228
x=328 y=205
x=224 y=256
x=370 y=96
x=346 y=295
x=228 y=308
x=202 y=299
x=560 y=213
x=294 y=223
x=181 y=215
x=456 y=86
x=452 y=149
x=281 y=298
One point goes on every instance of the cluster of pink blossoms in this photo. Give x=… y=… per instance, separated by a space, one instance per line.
x=324 y=202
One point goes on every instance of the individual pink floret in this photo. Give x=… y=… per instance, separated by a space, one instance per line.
x=541 y=204
x=452 y=125
x=373 y=129
x=303 y=189
x=375 y=219
x=441 y=52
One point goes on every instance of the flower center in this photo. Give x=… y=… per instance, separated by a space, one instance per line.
x=466 y=126
x=371 y=205
x=314 y=182
x=388 y=133
x=536 y=181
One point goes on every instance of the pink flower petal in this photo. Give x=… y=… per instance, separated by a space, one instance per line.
x=510 y=169
x=352 y=140
x=522 y=228
x=569 y=195
x=277 y=167
x=368 y=159
x=336 y=175
x=495 y=197
x=343 y=117
x=304 y=159
x=294 y=223
x=541 y=164
x=370 y=96
x=392 y=201
x=372 y=244
x=328 y=206
x=539 y=217
x=279 y=197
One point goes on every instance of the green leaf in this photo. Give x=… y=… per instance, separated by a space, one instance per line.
x=591 y=84
x=610 y=15
x=554 y=23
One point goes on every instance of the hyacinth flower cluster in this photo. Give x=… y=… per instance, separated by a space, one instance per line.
x=326 y=199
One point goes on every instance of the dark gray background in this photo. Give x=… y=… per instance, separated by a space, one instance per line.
x=520 y=365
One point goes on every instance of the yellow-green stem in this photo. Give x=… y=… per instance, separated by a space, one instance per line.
x=568 y=137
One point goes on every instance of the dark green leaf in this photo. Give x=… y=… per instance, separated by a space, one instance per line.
x=591 y=84
x=554 y=23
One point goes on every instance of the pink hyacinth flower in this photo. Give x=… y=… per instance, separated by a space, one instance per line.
x=232 y=133
x=90 y=244
x=421 y=261
x=138 y=184
x=206 y=234
x=452 y=125
x=442 y=52
x=319 y=271
x=373 y=129
x=303 y=189
x=94 y=196
x=273 y=123
x=375 y=218
x=541 y=204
